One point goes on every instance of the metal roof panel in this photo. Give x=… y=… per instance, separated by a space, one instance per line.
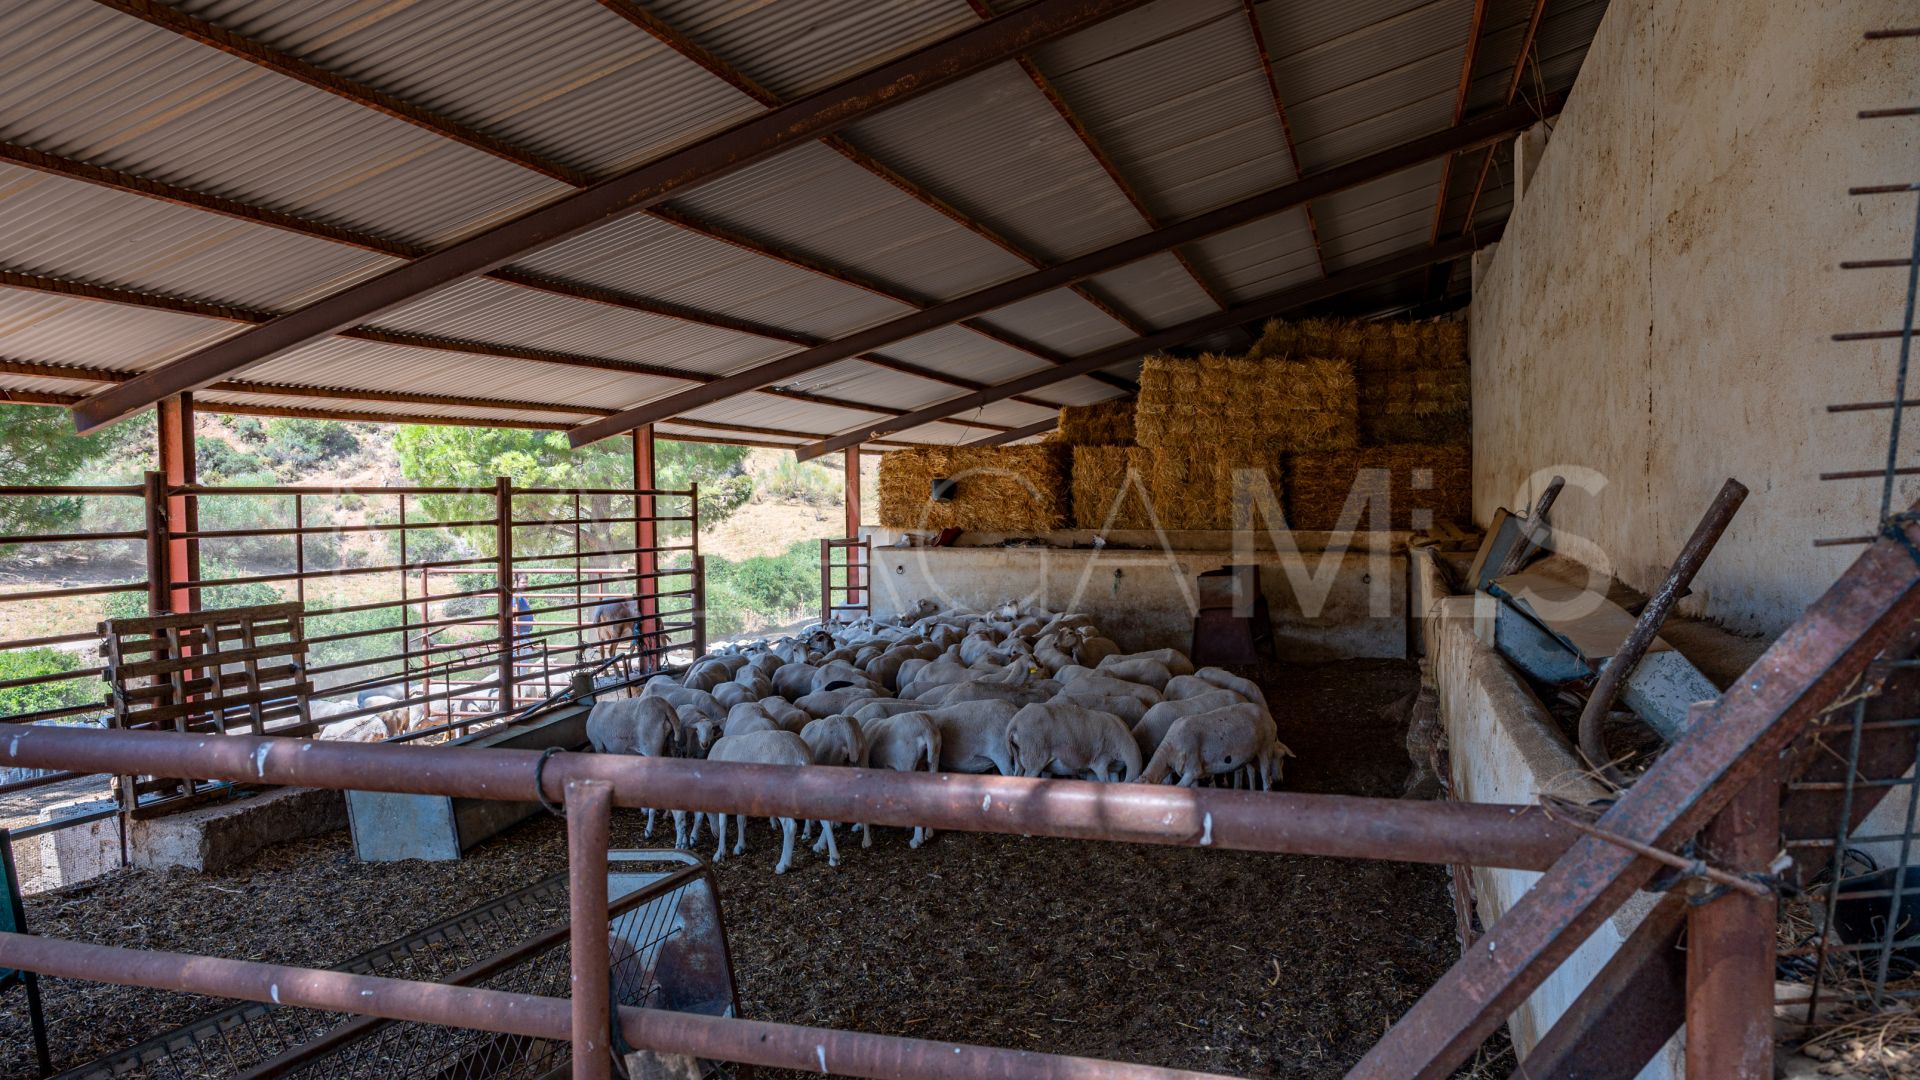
x=88 y=333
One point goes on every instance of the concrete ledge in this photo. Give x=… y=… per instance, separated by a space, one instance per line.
x=217 y=837
x=1506 y=749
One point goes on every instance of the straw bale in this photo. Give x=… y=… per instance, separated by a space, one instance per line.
x=1111 y=482
x=1421 y=484
x=1106 y=423
x=999 y=488
x=1306 y=405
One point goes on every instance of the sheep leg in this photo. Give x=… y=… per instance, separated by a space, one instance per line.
x=740 y=846
x=786 y=846
x=866 y=835
x=833 y=849
x=720 y=849
x=647 y=833
x=806 y=830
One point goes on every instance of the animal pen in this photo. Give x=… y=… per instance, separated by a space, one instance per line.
x=1208 y=326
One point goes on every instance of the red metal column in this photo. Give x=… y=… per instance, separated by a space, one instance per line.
x=853 y=492
x=1730 y=946
x=589 y=828
x=177 y=466
x=646 y=536
x=503 y=587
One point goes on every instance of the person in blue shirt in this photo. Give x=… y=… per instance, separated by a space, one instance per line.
x=522 y=610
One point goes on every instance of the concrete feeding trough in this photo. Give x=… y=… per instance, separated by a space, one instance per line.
x=388 y=827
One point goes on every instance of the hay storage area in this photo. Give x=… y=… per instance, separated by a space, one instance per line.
x=1412 y=379
x=1105 y=423
x=1433 y=480
x=1306 y=405
x=1110 y=487
x=1281 y=966
x=999 y=488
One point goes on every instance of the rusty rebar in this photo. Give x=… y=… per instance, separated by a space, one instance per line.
x=1705 y=535
x=1480 y=834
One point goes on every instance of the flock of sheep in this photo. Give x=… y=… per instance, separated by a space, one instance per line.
x=1023 y=693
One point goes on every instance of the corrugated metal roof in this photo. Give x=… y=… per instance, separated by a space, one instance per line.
x=1391 y=214
x=1262 y=257
x=490 y=311
x=1061 y=319
x=1158 y=290
x=794 y=48
x=1004 y=156
x=87 y=333
x=1362 y=77
x=578 y=84
x=84 y=82
x=370 y=365
x=815 y=202
x=215 y=399
x=1174 y=91
x=54 y=227
x=644 y=256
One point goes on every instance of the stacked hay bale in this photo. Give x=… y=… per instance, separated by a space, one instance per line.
x=1214 y=421
x=1415 y=424
x=997 y=488
x=1105 y=423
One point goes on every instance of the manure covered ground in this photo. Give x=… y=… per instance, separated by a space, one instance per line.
x=1199 y=959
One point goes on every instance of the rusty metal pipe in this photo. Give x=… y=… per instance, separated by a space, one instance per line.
x=1518 y=837
x=784 y=1046
x=1730 y=946
x=589 y=832
x=1652 y=617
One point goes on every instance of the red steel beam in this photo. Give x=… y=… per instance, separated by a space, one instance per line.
x=1300 y=296
x=590 y=1004
x=1731 y=744
x=1483 y=834
x=1339 y=178
x=751 y=1042
x=1040 y=427
x=1731 y=944
x=178 y=464
x=638 y=189
x=1629 y=1010
x=850 y=491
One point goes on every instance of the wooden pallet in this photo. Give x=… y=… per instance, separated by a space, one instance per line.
x=234 y=671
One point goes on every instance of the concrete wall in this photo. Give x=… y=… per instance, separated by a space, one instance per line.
x=1331 y=603
x=1659 y=310
x=1505 y=749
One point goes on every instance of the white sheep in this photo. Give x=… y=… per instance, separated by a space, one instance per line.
x=1068 y=740
x=647 y=727
x=909 y=742
x=834 y=740
x=1220 y=742
x=763 y=748
x=1153 y=726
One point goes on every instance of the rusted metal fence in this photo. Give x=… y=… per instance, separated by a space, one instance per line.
x=447 y=607
x=845 y=579
x=1711 y=795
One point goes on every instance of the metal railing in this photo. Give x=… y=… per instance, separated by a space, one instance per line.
x=846 y=583
x=455 y=607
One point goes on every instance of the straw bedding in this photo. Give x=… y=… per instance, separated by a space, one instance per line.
x=1421 y=484
x=1105 y=423
x=998 y=489
x=1110 y=482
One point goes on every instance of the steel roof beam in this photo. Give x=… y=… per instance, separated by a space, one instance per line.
x=670 y=36
x=226 y=313
x=1279 y=303
x=1107 y=165
x=676 y=173
x=1339 y=178
x=127 y=183
x=1286 y=125
x=1520 y=60
x=1040 y=427
x=1476 y=24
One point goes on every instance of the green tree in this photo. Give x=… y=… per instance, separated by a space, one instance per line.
x=434 y=455
x=38 y=446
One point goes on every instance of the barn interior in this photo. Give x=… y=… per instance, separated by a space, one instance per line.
x=1372 y=539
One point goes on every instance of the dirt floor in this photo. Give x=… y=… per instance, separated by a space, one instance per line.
x=1220 y=961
